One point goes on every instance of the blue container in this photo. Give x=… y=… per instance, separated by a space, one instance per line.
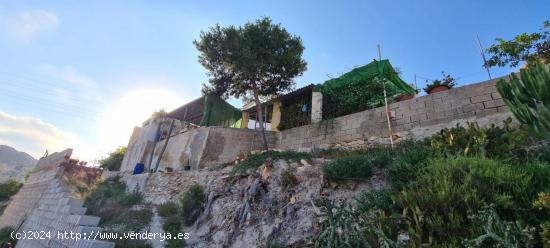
x=139 y=168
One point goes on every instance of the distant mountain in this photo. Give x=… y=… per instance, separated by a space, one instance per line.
x=14 y=164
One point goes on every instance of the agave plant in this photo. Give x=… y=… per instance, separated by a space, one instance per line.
x=528 y=96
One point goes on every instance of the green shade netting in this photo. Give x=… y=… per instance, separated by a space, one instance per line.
x=218 y=112
x=362 y=88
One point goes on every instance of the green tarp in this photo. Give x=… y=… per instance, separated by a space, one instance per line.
x=218 y=112
x=361 y=89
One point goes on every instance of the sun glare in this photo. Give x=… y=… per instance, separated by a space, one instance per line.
x=119 y=119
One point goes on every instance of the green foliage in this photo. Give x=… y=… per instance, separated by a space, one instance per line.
x=261 y=58
x=8 y=189
x=5 y=236
x=353 y=167
x=493 y=142
x=171 y=214
x=360 y=89
x=191 y=202
x=256 y=160
x=524 y=47
x=447 y=191
x=288 y=180
x=168 y=209
x=131 y=243
x=375 y=199
x=528 y=97
x=114 y=160
x=409 y=158
x=345 y=227
x=293 y=115
x=110 y=201
x=499 y=233
x=446 y=81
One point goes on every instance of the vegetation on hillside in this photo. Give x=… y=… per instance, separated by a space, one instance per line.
x=119 y=210
x=114 y=160
x=256 y=160
x=8 y=189
x=485 y=186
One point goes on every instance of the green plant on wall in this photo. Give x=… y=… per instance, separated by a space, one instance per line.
x=295 y=115
x=528 y=97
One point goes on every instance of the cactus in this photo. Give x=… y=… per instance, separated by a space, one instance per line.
x=528 y=97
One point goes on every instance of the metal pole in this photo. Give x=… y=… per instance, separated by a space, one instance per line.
x=386 y=101
x=483 y=57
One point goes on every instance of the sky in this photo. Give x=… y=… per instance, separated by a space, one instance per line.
x=82 y=74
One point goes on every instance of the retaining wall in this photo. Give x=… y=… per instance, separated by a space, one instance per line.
x=415 y=118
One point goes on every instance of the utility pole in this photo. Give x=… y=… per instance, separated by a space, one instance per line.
x=483 y=57
x=386 y=101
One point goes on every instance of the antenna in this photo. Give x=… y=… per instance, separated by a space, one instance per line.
x=483 y=57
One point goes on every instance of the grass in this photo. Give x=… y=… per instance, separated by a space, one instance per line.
x=352 y=167
x=256 y=160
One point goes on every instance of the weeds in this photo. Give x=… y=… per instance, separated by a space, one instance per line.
x=8 y=189
x=256 y=160
x=288 y=180
x=191 y=203
x=353 y=167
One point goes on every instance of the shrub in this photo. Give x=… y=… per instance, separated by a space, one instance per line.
x=5 y=236
x=447 y=191
x=8 y=189
x=375 y=199
x=256 y=160
x=498 y=233
x=493 y=142
x=410 y=158
x=168 y=209
x=110 y=201
x=288 y=180
x=353 y=167
x=191 y=203
x=114 y=160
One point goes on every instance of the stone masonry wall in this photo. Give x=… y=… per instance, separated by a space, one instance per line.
x=415 y=118
x=45 y=203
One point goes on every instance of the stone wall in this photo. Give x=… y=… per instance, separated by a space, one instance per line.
x=45 y=203
x=415 y=118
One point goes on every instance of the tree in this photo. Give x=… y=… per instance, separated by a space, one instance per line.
x=528 y=97
x=114 y=160
x=524 y=47
x=257 y=59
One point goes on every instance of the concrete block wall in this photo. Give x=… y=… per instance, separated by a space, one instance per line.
x=45 y=203
x=415 y=118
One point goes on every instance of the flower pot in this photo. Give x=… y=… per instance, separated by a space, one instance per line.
x=438 y=88
x=403 y=97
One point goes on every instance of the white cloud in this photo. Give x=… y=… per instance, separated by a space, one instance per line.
x=26 y=25
x=67 y=73
x=34 y=136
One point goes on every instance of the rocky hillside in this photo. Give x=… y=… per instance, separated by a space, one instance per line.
x=14 y=164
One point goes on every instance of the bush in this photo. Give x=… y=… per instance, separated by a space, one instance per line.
x=353 y=167
x=447 y=191
x=110 y=201
x=168 y=209
x=191 y=203
x=375 y=199
x=256 y=160
x=8 y=189
x=114 y=160
x=288 y=180
x=5 y=236
x=492 y=142
x=409 y=159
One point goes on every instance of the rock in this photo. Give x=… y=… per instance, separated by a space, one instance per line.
x=304 y=162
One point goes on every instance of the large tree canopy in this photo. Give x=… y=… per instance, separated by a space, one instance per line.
x=257 y=59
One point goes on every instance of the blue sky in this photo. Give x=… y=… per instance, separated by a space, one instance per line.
x=82 y=73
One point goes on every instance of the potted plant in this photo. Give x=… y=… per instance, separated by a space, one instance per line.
x=444 y=84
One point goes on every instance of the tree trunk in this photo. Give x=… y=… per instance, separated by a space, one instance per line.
x=259 y=113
